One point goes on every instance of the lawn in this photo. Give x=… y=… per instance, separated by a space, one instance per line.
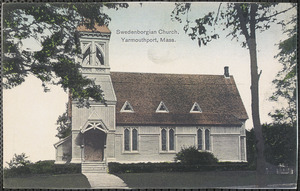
x=48 y=181
x=199 y=179
x=211 y=179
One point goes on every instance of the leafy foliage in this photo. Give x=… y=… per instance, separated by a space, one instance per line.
x=286 y=79
x=115 y=167
x=18 y=161
x=191 y=155
x=227 y=18
x=54 y=27
x=64 y=126
x=42 y=167
x=280 y=144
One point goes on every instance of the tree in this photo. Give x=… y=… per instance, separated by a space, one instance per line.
x=286 y=79
x=281 y=144
x=191 y=156
x=64 y=125
x=251 y=149
x=242 y=21
x=18 y=160
x=54 y=26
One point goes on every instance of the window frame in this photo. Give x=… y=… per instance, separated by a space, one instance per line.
x=131 y=129
x=162 y=111
x=197 y=134
x=124 y=106
x=203 y=129
x=124 y=142
x=94 y=46
x=167 y=129
x=209 y=140
x=196 y=105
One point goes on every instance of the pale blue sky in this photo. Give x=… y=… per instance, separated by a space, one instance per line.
x=30 y=114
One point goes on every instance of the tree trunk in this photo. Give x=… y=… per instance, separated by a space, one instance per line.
x=69 y=107
x=260 y=163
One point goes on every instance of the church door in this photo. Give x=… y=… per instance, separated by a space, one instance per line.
x=94 y=141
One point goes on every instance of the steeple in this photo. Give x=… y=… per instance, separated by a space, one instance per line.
x=95 y=49
x=94 y=58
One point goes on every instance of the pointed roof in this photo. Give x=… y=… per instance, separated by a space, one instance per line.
x=218 y=97
x=97 y=28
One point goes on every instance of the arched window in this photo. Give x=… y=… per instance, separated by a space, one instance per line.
x=199 y=139
x=134 y=140
x=171 y=139
x=207 y=141
x=86 y=56
x=126 y=139
x=99 y=57
x=163 y=140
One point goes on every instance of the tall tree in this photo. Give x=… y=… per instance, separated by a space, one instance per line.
x=54 y=27
x=241 y=21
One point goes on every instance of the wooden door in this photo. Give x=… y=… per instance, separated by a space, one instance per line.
x=94 y=145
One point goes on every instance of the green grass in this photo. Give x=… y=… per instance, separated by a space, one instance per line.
x=48 y=181
x=199 y=179
x=153 y=180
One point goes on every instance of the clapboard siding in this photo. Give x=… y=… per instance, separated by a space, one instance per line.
x=226 y=147
x=105 y=113
x=224 y=143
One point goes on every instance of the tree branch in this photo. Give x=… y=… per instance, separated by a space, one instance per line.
x=259 y=74
x=253 y=10
x=242 y=20
x=278 y=13
x=218 y=13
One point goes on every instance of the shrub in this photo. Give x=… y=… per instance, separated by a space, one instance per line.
x=18 y=161
x=42 y=167
x=191 y=155
x=173 y=167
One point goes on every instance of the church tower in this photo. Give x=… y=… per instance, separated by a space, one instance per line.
x=93 y=128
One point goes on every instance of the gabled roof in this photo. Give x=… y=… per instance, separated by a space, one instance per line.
x=218 y=97
x=62 y=141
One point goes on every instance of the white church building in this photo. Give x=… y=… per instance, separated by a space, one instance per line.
x=150 y=117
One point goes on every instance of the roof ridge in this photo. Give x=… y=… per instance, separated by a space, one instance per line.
x=112 y=72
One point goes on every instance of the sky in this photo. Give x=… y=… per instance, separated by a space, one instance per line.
x=30 y=114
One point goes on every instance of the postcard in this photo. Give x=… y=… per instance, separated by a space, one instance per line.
x=136 y=95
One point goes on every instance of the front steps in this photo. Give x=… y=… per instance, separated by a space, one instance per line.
x=93 y=167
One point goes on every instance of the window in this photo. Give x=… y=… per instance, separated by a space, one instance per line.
x=199 y=139
x=126 y=140
x=99 y=57
x=243 y=154
x=203 y=139
x=127 y=107
x=130 y=139
x=93 y=54
x=86 y=57
x=134 y=140
x=162 y=108
x=196 y=108
x=207 y=137
x=171 y=139
x=163 y=140
x=167 y=139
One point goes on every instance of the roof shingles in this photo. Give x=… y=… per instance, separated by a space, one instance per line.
x=217 y=96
